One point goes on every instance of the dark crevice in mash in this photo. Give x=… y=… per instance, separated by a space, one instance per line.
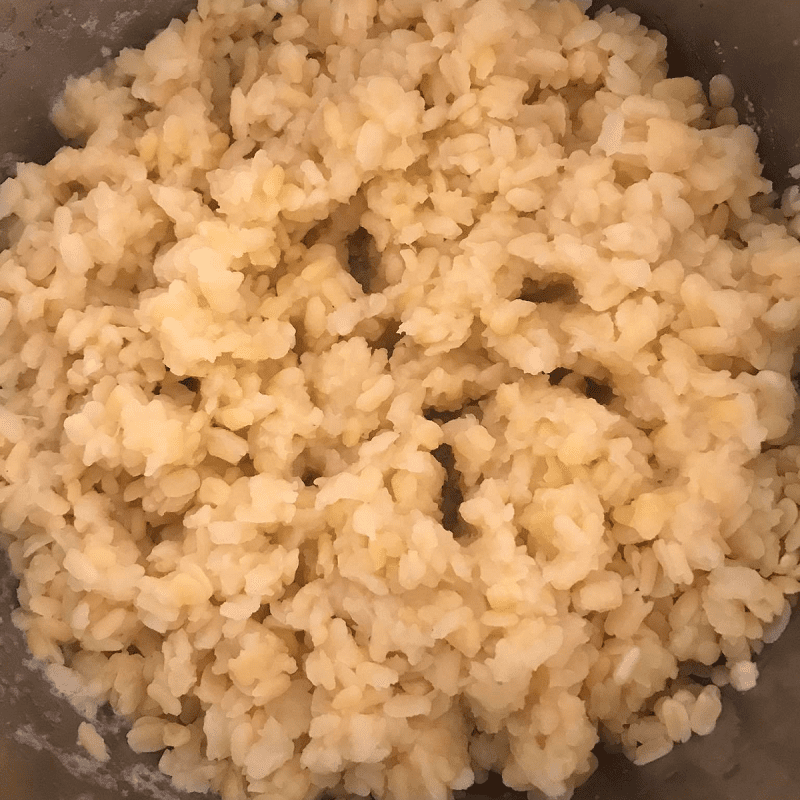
x=452 y=494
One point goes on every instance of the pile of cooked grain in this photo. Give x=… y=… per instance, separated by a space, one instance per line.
x=306 y=270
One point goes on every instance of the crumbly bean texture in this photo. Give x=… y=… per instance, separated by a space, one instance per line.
x=391 y=392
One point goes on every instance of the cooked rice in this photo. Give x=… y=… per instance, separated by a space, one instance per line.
x=92 y=742
x=307 y=269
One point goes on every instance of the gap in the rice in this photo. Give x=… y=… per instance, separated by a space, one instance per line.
x=27 y=380
x=424 y=89
x=77 y=190
x=389 y=339
x=653 y=462
x=600 y=392
x=556 y=290
x=558 y=375
x=247 y=467
x=796 y=377
x=307 y=468
x=69 y=650
x=314 y=232
x=697 y=672
x=309 y=476
x=442 y=415
x=491 y=788
x=301 y=344
x=349 y=624
x=362 y=254
x=316 y=55
x=532 y=95
x=191 y=383
x=623 y=175
x=169 y=529
x=190 y=709
x=452 y=496
x=434 y=415
x=765 y=202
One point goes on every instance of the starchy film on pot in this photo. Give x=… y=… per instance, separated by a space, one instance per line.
x=393 y=392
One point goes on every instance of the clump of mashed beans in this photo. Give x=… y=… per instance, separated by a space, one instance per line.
x=308 y=268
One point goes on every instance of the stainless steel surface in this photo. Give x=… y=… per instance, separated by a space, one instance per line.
x=754 y=754
x=39 y=757
x=44 y=41
x=757 y=44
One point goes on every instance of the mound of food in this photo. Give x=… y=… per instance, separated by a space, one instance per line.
x=396 y=391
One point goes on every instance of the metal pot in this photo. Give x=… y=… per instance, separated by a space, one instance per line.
x=754 y=752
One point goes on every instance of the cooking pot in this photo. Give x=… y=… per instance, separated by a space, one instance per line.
x=754 y=752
